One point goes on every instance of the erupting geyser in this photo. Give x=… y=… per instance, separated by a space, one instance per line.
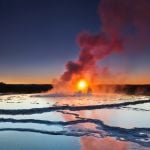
x=124 y=25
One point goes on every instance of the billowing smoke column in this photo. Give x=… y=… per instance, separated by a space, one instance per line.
x=125 y=23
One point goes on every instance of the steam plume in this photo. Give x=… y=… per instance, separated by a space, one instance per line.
x=125 y=23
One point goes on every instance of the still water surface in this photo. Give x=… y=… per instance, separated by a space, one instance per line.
x=88 y=122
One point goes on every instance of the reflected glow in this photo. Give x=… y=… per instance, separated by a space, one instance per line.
x=73 y=124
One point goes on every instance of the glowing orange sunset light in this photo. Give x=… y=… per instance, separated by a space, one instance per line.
x=82 y=85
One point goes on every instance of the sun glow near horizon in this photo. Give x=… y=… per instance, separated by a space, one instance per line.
x=82 y=85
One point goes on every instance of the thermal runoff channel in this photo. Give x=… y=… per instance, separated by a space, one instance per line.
x=117 y=19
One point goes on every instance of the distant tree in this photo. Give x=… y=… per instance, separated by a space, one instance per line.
x=2 y=83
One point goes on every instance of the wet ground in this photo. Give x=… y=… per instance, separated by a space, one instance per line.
x=72 y=122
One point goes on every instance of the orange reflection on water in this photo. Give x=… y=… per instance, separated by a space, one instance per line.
x=92 y=143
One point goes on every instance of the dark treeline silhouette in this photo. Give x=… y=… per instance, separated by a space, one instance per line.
x=24 y=88
x=127 y=89
x=38 y=88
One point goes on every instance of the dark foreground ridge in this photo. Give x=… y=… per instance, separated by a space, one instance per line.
x=24 y=88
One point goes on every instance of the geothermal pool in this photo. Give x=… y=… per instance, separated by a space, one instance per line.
x=74 y=122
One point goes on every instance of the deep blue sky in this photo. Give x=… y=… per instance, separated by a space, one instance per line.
x=37 y=37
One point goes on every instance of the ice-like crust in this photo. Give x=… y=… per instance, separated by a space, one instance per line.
x=62 y=95
x=137 y=135
x=67 y=107
x=79 y=126
x=91 y=95
x=136 y=109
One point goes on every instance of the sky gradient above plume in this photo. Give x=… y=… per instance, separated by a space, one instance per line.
x=38 y=38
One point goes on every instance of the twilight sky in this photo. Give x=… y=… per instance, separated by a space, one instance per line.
x=37 y=38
